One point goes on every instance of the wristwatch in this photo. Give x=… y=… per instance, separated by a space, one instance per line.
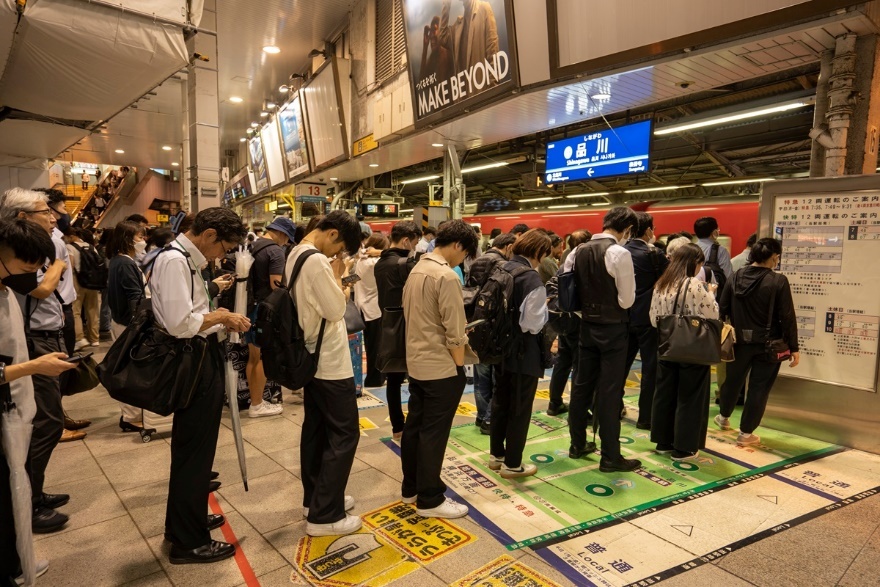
x=2 y=373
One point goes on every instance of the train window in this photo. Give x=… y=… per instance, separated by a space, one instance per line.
x=725 y=241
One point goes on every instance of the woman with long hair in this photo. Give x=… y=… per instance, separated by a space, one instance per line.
x=125 y=290
x=366 y=296
x=680 y=414
x=755 y=293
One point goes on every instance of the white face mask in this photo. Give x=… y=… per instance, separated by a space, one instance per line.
x=140 y=250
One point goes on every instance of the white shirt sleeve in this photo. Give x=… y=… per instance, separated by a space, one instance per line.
x=618 y=262
x=173 y=297
x=74 y=257
x=323 y=293
x=533 y=311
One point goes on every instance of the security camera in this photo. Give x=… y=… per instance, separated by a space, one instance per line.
x=684 y=85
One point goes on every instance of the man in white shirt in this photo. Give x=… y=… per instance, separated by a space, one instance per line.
x=330 y=429
x=86 y=299
x=742 y=259
x=428 y=235
x=182 y=307
x=607 y=288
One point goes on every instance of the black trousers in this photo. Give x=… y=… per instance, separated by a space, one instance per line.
x=193 y=445
x=392 y=394
x=432 y=406
x=601 y=365
x=681 y=406
x=372 y=333
x=566 y=365
x=644 y=340
x=49 y=419
x=751 y=363
x=10 y=565
x=511 y=413
x=330 y=434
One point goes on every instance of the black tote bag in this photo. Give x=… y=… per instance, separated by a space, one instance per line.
x=391 y=357
x=688 y=339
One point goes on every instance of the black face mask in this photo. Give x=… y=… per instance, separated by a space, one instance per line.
x=21 y=283
x=64 y=222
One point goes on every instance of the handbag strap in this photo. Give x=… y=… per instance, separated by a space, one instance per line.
x=772 y=277
x=682 y=292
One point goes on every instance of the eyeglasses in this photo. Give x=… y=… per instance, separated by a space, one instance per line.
x=47 y=211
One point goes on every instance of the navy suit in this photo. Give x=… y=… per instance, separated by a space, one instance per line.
x=648 y=265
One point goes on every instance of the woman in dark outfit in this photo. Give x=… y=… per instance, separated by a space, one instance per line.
x=754 y=294
x=517 y=379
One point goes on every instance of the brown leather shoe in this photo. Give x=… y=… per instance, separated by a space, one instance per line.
x=71 y=435
x=71 y=424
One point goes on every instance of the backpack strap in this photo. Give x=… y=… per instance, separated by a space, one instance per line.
x=772 y=277
x=192 y=271
x=713 y=255
x=297 y=267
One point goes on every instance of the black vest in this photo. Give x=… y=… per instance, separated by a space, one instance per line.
x=596 y=288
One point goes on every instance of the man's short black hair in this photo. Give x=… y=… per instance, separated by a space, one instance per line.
x=644 y=222
x=619 y=219
x=495 y=232
x=705 y=226
x=752 y=240
x=429 y=230
x=460 y=232
x=227 y=223
x=519 y=229
x=405 y=229
x=28 y=240
x=347 y=225
x=55 y=196
x=503 y=240
x=139 y=219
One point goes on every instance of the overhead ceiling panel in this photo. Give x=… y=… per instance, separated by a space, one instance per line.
x=174 y=10
x=31 y=139
x=81 y=61
x=8 y=21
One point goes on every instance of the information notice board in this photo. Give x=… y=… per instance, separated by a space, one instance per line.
x=831 y=256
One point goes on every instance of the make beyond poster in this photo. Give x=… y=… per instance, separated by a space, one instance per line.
x=293 y=133
x=456 y=50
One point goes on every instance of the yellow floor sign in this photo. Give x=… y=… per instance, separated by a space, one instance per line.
x=425 y=539
x=505 y=571
x=367 y=424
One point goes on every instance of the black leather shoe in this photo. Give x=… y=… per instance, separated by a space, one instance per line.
x=214 y=475
x=71 y=424
x=643 y=425
x=213 y=486
x=210 y=553
x=128 y=426
x=485 y=428
x=53 y=501
x=621 y=465
x=215 y=521
x=46 y=520
x=557 y=410
x=622 y=412
x=579 y=453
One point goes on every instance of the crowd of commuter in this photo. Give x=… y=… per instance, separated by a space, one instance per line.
x=622 y=280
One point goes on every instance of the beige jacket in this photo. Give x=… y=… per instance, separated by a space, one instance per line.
x=482 y=38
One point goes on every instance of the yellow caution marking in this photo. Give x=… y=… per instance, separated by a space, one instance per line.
x=505 y=571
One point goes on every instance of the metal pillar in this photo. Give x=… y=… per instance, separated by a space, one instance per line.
x=453 y=188
x=817 y=154
x=840 y=103
x=201 y=104
x=862 y=140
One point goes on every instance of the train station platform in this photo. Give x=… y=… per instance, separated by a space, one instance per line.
x=789 y=511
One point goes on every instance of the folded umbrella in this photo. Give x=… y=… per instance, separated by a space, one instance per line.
x=16 y=439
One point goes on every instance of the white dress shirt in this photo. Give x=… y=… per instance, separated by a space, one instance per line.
x=366 y=292
x=618 y=263
x=65 y=288
x=318 y=297
x=180 y=295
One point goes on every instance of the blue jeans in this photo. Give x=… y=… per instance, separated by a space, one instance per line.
x=484 y=386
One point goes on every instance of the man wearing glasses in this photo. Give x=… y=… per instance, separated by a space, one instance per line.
x=44 y=324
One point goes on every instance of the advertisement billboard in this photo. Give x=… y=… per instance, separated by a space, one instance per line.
x=457 y=51
x=258 y=163
x=623 y=150
x=293 y=133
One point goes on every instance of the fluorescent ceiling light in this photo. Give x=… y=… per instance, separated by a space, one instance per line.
x=405 y=211
x=334 y=179
x=236 y=99
x=120 y=151
x=166 y=148
x=419 y=179
x=562 y=206
x=271 y=50
x=250 y=131
x=724 y=119
x=487 y=166
x=255 y=124
x=175 y=164
x=587 y=195
x=374 y=165
x=738 y=181
x=601 y=96
x=437 y=144
x=548 y=198
x=270 y=105
x=600 y=204
x=663 y=188
x=264 y=114
x=242 y=139
x=284 y=88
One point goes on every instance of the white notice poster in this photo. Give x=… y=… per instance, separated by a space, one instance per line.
x=830 y=251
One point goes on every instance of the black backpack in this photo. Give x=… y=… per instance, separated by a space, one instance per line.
x=493 y=338
x=93 y=271
x=711 y=265
x=281 y=339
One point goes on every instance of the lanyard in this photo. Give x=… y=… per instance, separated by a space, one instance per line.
x=199 y=273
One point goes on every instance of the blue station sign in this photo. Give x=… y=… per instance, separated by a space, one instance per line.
x=622 y=150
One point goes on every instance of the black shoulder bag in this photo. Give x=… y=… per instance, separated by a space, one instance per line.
x=777 y=349
x=688 y=338
x=150 y=369
x=391 y=357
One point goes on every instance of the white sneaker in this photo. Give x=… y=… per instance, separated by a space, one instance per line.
x=722 y=422
x=346 y=525
x=80 y=344
x=495 y=463
x=349 y=505
x=95 y=344
x=408 y=500
x=744 y=439
x=447 y=509
x=264 y=409
x=42 y=567
x=524 y=470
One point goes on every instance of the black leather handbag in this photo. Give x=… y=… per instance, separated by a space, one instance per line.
x=391 y=357
x=777 y=349
x=83 y=378
x=688 y=339
x=354 y=321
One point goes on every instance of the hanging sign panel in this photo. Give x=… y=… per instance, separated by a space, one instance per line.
x=258 y=163
x=623 y=150
x=457 y=51
x=830 y=242
x=293 y=132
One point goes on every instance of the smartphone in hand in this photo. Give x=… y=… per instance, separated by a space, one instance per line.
x=78 y=357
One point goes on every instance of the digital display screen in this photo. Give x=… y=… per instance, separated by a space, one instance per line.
x=389 y=210
x=624 y=150
x=380 y=210
x=372 y=209
x=496 y=205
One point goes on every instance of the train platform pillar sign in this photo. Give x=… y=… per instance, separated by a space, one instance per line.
x=201 y=105
x=426 y=216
